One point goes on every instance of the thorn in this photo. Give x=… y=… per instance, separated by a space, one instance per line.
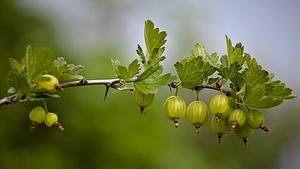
x=245 y=141
x=59 y=126
x=219 y=138
x=265 y=128
x=106 y=91
x=83 y=81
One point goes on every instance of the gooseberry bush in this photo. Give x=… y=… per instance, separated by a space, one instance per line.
x=243 y=87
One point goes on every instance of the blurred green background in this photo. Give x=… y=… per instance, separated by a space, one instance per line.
x=112 y=134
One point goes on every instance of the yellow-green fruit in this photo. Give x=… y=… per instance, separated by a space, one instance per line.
x=143 y=100
x=197 y=113
x=220 y=127
x=220 y=106
x=244 y=132
x=49 y=82
x=175 y=108
x=256 y=119
x=236 y=119
x=37 y=114
x=51 y=118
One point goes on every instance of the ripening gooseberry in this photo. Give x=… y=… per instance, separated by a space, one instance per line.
x=37 y=114
x=220 y=106
x=51 y=118
x=256 y=119
x=244 y=132
x=237 y=118
x=49 y=82
x=220 y=127
x=143 y=100
x=175 y=108
x=197 y=113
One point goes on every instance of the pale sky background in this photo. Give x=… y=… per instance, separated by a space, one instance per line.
x=269 y=30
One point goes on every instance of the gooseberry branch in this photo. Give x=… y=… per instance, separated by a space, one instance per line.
x=109 y=83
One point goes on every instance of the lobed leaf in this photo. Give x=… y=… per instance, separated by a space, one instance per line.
x=151 y=79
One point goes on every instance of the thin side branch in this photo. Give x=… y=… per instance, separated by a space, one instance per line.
x=216 y=87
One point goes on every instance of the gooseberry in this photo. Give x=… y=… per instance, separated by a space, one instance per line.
x=220 y=127
x=37 y=114
x=175 y=108
x=143 y=100
x=244 y=132
x=48 y=82
x=256 y=119
x=197 y=113
x=52 y=119
x=237 y=118
x=219 y=106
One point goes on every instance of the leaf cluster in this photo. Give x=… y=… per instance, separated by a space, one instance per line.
x=25 y=74
x=250 y=85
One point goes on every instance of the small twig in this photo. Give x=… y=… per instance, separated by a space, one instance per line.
x=201 y=86
x=8 y=100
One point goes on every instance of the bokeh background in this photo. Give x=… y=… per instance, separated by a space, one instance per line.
x=112 y=134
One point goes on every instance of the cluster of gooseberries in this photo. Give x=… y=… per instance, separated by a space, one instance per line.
x=39 y=115
x=225 y=119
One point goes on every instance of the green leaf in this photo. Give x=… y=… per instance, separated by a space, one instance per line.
x=229 y=47
x=267 y=103
x=196 y=68
x=261 y=91
x=254 y=74
x=38 y=61
x=253 y=94
x=199 y=50
x=66 y=72
x=189 y=71
x=154 y=40
x=213 y=60
x=152 y=79
x=235 y=54
x=15 y=65
x=157 y=69
x=140 y=52
x=124 y=73
x=232 y=73
x=278 y=90
x=133 y=68
x=19 y=82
